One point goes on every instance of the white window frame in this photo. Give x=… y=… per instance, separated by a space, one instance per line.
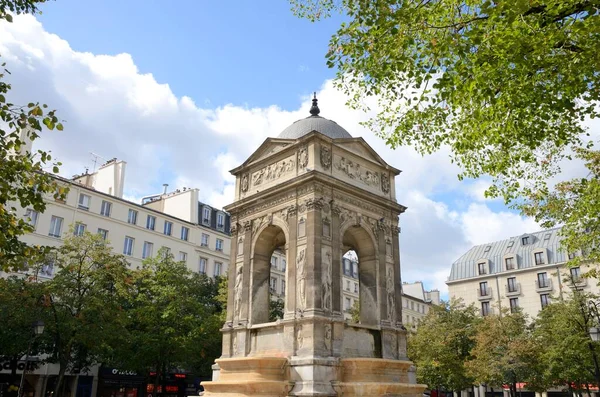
x=84 y=202
x=128 y=248
x=151 y=222
x=168 y=227
x=32 y=217
x=543 y=254
x=56 y=224
x=103 y=233
x=221 y=216
x=79 y=229
x=106 y=208
x=513 y=258
x=182 y=256
x=185 y=233
x=132 y=216
x=204 y=237
x=202 y=264
x=206 y=215
x=147 y=250
x=218 y=268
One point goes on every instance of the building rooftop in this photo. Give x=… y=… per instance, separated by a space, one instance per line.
x=522 y=247
x=314 y=122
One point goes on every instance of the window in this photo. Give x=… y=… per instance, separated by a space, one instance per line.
x=79 y=229
x=326 y=229
x=182 y=256
x=220 y=221
x=575 y=274
x=273 y=285
x=55 y=226
x=103 y=233
x=84 y=201
x=487 y=249
x=412 y=305
x=483 y=288
x=510 y=243
x=356 y=288
x=547 y=236
x=514 y=305
x=128 y=246
x=283 y=265
x=48 y=266
x=510 y=263
x=219 y=245
x=105 y=208
x=148 y=250
x=184 y=233
x=542 y=279
x=32 y=217
x=274 y=262
x=206 y=215
x=347 y=267
x=512 y=284
x=202 y=265
x=218 y=268
x=572 y=255
x=485 y=309
x=347 y=304
x=168 y=228
x=545 y=300
x=355 y=269
x=282 y=287
x=539 y=258
x=204 y=241
x=166 y=251
x=132 y=217
x=150 y=222
x=482 y=268
x=525 y=240
x=347 y=285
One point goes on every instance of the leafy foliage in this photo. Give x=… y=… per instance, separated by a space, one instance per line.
x=504 y=85
x=23 y=181
x=440 y=356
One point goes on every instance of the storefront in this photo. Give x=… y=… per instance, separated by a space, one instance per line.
x=113 y=382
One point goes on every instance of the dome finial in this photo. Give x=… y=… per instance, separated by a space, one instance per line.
x=314 y=109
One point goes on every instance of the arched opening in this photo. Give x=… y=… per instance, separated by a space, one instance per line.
x=359 y=281
x=269 y=270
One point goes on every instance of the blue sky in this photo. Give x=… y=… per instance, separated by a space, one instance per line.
x=254 y=53
x=185 y=94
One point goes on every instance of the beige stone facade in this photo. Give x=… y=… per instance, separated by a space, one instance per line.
x=525 y=272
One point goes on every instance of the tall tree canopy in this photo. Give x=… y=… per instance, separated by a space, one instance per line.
x=505 y=85
x=23 y=181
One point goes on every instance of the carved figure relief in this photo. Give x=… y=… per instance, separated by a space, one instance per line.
x=301 y=277
x=272 y=171
x=353 y=171
x=389 y=287
x=302 y=228
x=325 y=157
x=245 y=183
x=237 y=304
x=300 y=337
x=326 y=278
x=240 y=247
x=385 y=182
x=327 y=339
x=257 y=223
x=303 y=158
x=234 y=343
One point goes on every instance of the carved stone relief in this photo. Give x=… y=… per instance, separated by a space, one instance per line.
x=300 y=337
x=258 y=222
x=245 y=183
x=326 y=283
x=327 y=339
x=326 y=227
x=302 y=228
x=301 y=277
x=314 y=203
x=325 y=157
x=354 y=171
x=303 y=157
x=240 y=247
x=385 y=182
x=389 y=287
x=273 y=171
x=237 y=304
x=288 y=212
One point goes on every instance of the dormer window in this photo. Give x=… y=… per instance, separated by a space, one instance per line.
x=547 y=236
x=220 y=220
x=510 y=263
x=525 y=240
x=206 y=216
x=482 y=268
x=487 y=249
x=539 y=258
x=510 y=244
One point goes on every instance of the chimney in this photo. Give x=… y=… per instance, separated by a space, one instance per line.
x=165 y=185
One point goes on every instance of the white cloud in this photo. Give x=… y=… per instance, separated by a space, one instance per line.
x=112 y=109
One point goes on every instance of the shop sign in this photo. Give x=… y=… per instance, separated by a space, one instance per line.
x=8 y=365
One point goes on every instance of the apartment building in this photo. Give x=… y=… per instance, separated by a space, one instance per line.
x=523 y=272
x=416 y=303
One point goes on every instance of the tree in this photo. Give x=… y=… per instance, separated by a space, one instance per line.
x=569 y=357
x=504 y=352
x=504 y=85
x=173 y=319
x=84 y=314
x=23 y=181
x=276 y=307
x=19 y=309
x=442 y=344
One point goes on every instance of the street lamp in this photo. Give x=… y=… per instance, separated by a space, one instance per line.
x=38 y=329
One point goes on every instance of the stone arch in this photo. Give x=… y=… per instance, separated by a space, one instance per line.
x=268 y=238
x=359 y=239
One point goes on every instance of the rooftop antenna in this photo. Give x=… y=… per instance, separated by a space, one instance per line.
x=95 y=158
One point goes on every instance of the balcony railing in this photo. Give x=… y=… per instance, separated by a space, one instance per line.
x=512 y=290
x=577 y=282
x=544 y=286
x=484 y=293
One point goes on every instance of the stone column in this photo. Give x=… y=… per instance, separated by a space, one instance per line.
x=397 y=271
x=291 y=251
x=313 y=256
x=336 y=261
